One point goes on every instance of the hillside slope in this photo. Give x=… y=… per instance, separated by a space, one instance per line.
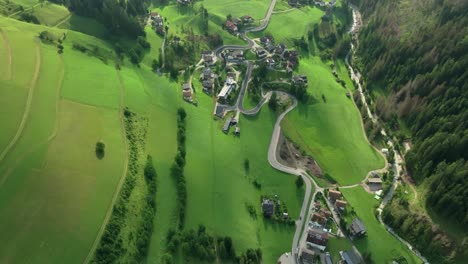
x=413 y=55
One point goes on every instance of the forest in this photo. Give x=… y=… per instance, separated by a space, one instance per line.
x=414 y=61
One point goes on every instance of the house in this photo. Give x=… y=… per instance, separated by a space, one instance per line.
x=206 y=74
x=334 y=195
x=279 y=49
x=184 y=2
x=328 y=259
x=307 y=256
x=261 y=53
x=154 y=14
x=266 y=40
x=231 y=27
x=208 y=59
x=227 y=125
x=341 y=205
x=187 y=94
x=270 y=62
x=319 y=218
x=384 y=151
x=317 y=238
x=235 y=56
x=219 y=110
x=237 y=133
x=300 y=80
x=325 y=213
x=351 y=256
x=158 y=21
x=357 y=227
x=208 y=85
x=247 y=19
x=186 y=86
x=268 y=208
x=374 y=183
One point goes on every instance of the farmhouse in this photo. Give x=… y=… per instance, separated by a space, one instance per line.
x=334 y=195
x=374 y=183
x=187 y=94
x=231 y=27
x=357 y=227
x=227 y=125
x=317 y=238
x=341 y=205
x=307 y=256
x=351 y=256
x=186 y=86
x=268 y=208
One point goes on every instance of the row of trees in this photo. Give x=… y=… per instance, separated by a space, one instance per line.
x=177 y=169
x=115 y=243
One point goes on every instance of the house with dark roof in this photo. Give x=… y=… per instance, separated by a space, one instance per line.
x=206 y=74
x=268 y=208
x=357 y=227
x=279 y=49
x=307 y=256
x=317 y=238
x=208 y=85
x=351 y=256
x=227 y=125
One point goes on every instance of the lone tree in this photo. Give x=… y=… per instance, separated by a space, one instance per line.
x=299 y=182
x=273 y=103
x=246 y=165
x=100 y=150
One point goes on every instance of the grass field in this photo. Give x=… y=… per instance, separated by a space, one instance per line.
x=331 y=131
x=381 y=244
x=51 y=14
x=54 y=191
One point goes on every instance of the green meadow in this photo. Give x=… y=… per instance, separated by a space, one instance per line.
x=327 y=129
x=382 y=245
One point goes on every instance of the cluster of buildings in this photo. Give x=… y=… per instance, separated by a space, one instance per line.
x=158 y=23
x=233 y=25
x=207 y=78
x=289 y=59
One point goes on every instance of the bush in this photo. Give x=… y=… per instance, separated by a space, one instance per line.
x=100 y=150
x=299 y=182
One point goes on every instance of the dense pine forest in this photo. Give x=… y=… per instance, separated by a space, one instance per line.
x=414 y=57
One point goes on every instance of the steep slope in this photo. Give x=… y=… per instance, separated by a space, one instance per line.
x=413 y=55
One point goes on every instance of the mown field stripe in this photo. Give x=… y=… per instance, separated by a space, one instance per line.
x=28 y=103
x=9 y=55
x=54 y=132
x=90 y=255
